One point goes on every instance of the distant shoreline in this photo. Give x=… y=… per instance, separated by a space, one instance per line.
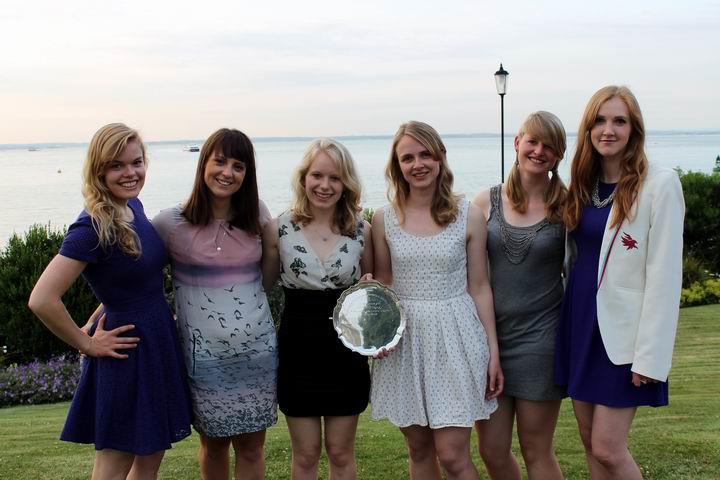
x=47 y=145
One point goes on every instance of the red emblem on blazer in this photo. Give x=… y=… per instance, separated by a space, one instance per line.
x=628 y=242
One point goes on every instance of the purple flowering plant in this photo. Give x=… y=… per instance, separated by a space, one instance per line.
x=39 y=382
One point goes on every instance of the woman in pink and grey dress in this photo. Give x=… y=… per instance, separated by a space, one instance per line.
x=224 y=320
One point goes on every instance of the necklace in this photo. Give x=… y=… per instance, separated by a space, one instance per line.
x=516 y=241
x=595 y=197
x=218 y=244
x=322 y=237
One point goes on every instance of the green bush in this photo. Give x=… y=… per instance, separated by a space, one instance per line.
x=276 y=300
x=701 y=293
x=21 y=263
x=702 y=218
x=367 y=214
x=693 y=271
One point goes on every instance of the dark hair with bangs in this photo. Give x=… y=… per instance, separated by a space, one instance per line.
x=244 y=204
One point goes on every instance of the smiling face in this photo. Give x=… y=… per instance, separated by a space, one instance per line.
x=125 y=176
x=323 y=182
x=534 y=156
x=223 y=176
x=419 y=168
x=611 y=131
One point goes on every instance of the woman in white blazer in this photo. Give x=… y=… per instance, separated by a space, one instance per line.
x=617 y=326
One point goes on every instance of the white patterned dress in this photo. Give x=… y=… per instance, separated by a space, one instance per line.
x=437 y=375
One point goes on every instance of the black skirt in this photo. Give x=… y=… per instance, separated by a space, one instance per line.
x=317 y=374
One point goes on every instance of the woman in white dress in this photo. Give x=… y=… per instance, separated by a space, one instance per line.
x=430 y=247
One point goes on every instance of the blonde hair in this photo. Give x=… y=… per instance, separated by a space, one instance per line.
x=548 y=129
x=348 y=206
x=106 y=212
x=444 y=208
x=585 y=167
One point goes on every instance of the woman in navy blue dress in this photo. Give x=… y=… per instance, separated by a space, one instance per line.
x=619 y=315
x=132 y=401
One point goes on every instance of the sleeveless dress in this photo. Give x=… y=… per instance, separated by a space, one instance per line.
x=226 y=330
x=438 y=374
x=581 y=361
x=525 y=273
x=140 y=404
x=317 y=374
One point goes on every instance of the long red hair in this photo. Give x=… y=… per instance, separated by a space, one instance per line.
x=585 y=166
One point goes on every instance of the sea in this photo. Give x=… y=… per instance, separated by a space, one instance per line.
x=40 y=183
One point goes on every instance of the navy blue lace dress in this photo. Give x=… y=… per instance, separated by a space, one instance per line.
x=140 y=404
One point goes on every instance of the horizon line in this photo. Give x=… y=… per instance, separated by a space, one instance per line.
x=9 y=146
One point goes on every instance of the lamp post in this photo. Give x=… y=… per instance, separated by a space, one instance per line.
x=501 y=85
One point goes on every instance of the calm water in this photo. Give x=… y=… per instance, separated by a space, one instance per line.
x=43 y=186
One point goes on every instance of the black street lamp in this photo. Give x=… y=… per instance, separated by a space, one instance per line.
x=501 y=85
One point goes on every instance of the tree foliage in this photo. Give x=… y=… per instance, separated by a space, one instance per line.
x=702 y=219
x=21 y=263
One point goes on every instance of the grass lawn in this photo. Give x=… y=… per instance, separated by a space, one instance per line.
x=681 y=441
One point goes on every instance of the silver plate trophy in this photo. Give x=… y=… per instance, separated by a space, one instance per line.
x=368 y=317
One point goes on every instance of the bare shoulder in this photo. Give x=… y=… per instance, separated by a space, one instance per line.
x=482 y=201
x=475 y=216
x=379 y=217
x=270 y=230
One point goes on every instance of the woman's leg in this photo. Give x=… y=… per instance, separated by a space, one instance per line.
x=495 y=441
x=610 y=430
x=249 y=455
x=340 y=446
x=214 y=457
x=453 y=450
x=421 y=451
x=604 y=432
x=146 y=467
x=536 y=423
x=112 y=464
x=584 y=413
x=305 y=436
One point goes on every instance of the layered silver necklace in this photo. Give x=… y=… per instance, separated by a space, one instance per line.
x=516 y=241
x=595 y=196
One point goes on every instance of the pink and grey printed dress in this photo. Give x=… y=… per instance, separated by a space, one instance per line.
x=224 y=321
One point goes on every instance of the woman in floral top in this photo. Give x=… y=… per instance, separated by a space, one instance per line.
x=318 y=248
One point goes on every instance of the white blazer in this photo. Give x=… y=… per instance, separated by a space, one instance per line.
x=639 y=298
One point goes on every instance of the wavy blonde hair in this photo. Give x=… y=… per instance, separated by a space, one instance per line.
x=106 y=146
x=585 y=167
x=444 y=208
x=548 y=129
x=348 y=207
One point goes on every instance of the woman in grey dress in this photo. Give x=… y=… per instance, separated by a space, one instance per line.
x=525 y=250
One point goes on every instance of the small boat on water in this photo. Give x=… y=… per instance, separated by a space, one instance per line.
x=191 y=148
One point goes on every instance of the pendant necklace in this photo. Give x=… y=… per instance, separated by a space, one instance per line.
x=218 y=244
x=321 y=236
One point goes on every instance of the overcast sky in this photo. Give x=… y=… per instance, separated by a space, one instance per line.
x=179 y=70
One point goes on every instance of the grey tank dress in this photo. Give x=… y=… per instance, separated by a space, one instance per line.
x=525 y=272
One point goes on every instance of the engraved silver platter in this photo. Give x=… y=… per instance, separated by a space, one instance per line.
x=368 y=317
